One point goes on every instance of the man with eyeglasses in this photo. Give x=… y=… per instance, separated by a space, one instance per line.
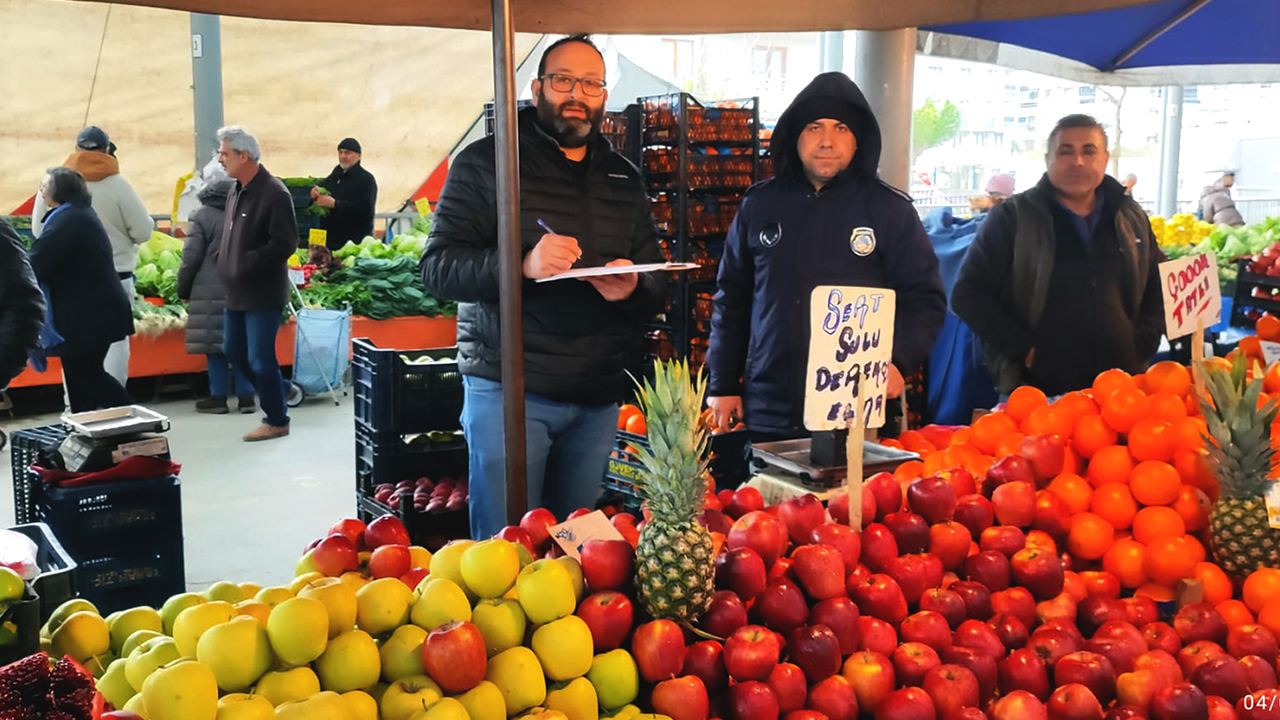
x=576 y=332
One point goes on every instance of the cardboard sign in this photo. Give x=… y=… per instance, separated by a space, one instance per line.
x=1270 y=352
x=571 y=535
x=850 y=348
x=317 y=236
x=423 y=205
x=1191 y=293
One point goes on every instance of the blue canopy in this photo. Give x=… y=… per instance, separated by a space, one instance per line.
x=1157 y=34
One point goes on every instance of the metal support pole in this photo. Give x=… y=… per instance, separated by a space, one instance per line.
x=883 y=68
x=831 y=51
x=206 y=83
x=1170 y=143
x=510 y=275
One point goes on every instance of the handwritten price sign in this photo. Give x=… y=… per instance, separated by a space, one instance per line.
x=1191 y=294
x=850 y=348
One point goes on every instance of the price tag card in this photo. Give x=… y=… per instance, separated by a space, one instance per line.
x=1270 y=352
x=850 y=348
x=423 y=205
x=1191 y=293
x=1273 y=504
x=571 y=535
x=297 y=277
x=317 y=236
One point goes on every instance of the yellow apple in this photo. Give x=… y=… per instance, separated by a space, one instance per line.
x=147 y=657
x=182 y=690
x=299 y=630
x=501 y=622
x=239 y=652
x=284 y=686
x=226 y=592
x=401 y=654
x=518 y=675
x=484 y=702
x=136 y=705
x=541 y=713
x=242 y=706
x=325 y=705
x=339 y=599
x=355 y=580
x=490 y=567
x=304 y=580
x=419 y=557
x=350 y=662
x=443 y=709
x=545 y=591
x=360 y=705
x=650 y=716
x=127 y=622
x=82 y=636
x=410 y=695
x=440 y=601
x=615 y=677
x=114 y=685
x=196 y=620
x=255 y=609
x=137 y=639
x=250 y=590
x=575 y=572
x=564 y=648
x=273 y=596
x=66 y=610
x=576 y=699
x=446 y=564
x=306 y=564
x=174 y=606
x=98 y=664
x=626 y=712
x=383 y=605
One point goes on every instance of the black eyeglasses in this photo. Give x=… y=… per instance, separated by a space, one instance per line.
x=565 y=83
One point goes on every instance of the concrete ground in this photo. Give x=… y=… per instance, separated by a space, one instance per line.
x=248 y=509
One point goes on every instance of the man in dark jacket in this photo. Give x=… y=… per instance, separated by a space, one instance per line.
x=825 y=219
x=259 y=234
x=575 y=332
x=21 y=305
x=1062 y=281
x=353 y=193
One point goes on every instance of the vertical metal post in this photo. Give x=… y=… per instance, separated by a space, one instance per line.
x=831 y=51
x=206 y=83
x=883 y=68
x=510 y=275
x=1170 y=143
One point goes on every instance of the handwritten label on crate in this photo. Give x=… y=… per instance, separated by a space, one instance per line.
x=317 y=236
x=152 y=447
x=423 y=205
x=571 y=535
x=1191 y=294
x=623 y=470
x=1270 y=352
x=850 y=346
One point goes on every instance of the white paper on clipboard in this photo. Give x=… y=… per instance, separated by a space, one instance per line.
x=619 y=270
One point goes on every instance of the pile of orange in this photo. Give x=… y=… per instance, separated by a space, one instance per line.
x=631 y=419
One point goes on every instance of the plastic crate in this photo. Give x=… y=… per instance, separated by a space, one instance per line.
x=23 y=620
x=106 y=516
x=128 y=578
x=387 y=458
x=25 y=447
x=56 y=583
x=429 y=530
x=730 y=461
x=394 y=396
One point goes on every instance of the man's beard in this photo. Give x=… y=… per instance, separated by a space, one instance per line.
x=346 y=166
x=569 y=132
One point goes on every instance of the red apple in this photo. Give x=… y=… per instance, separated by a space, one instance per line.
x=834 y=698
x=1037 y=571
x=535 y=522
x=1224 y=677
x=336 y=555
x=881 y=597
x=609 y=615
x=1061 y=607
x=1093 y=612
x=928 y=628
x=744 y=500
x=933 y=498
x=877 y=635
x=879 y=546
x=1052 y=645
x=1015 y=601
x=1009 y=469
x=725 y=614
x=841 y=615
x=742 y=571
x=982 y=665
x=946 y=603
x=517 y=534
x=1161 y=664
x=1258 y=673
x=1122 y=646
x=1074 y=702
x=751 y=700
x=975 y=512
x=978 y=635
x=1052 y=515
x=390 y=561
x=803 y=714
x=816 y=650
x=454 y=656
x=988 y=568
x=910 y=530
x=784 y=568
x=949 y=542
x=1089 y=669
x=781 y=606
x=705 y=659
x=1015 y=503
x=801 y=515
x=1045 y=454
x=1200 y=621
x=658 y=648
x=1140 y=610
x=1019 y=705
x=888 y=494
x=607 y=564
x=909 y=572
x=789 y=685
x=761 y=532
x=414 y=577
x=724 y=497
x=1011 y=630
x=952 y=689
x=872 y=676
x=350 y=528
x=842 y=538
x=820 y=569
x=386 y=530
x=911 y=703
x=1004 y=539
x=1197 y=654
x=1180 y=701
x=750 y=653
x=1101 y=584
x=683 y=698
x=1160 y=636
x=1135 y=689
x=912 y=661
x=716 y=521
x=976 y=598
x=1252 y=639
x=1065 y=626
x=1220 y=709
x=1023 y=670
x=934 y=574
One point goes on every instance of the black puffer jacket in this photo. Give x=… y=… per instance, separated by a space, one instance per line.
x=574 y=340
x=198 y=280
x=21 y=305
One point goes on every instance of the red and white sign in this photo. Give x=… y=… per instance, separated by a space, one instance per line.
x=1191 y=294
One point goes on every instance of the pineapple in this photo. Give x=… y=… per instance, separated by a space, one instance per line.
x=675 y=571
x=1240 y=454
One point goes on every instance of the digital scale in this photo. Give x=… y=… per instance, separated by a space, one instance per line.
x=100 y=439
x=797 y=458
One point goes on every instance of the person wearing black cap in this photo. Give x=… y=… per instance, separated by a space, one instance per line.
x=825 y=219
x=353 y=194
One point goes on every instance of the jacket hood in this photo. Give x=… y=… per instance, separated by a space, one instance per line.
x=1216 y=187
x=215 y=193
x=93 y=165
x=836 y=86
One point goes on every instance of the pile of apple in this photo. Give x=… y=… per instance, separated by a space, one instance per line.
x=444 y=495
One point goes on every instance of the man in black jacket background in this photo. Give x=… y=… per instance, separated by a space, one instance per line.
x=353 y=194
x=21 y=305
x=575 y=331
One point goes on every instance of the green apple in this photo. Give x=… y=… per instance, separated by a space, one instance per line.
x=377 y=692
x=546 y=592
x=575 y=572
x=147 y=657
x=238 y=652
x=255 y=609
x=501 y=622
x=484 y=702
x=490 y=567
x=306 y=564
x=114 y=686
x=419 y=557
x=626 y=712
x=226 y=592
x=576 y=699
x=125 y=623
x=350 y=662
x=360 y=705
x=182 y=690
x=440 y=601
x=284 y=686
x=615 y=677
x=174 y=606
x=136 y=706
x=12 y=585
x=564 y=648
x=136 y=639
x=444 y=709
x=401 y=654
x=407 y=696
x=82 y=636
x=196 y=621
x=355 y=580
x=339 y=599
x=299 y=630
x=98 y=664
x=273 y=596
x=66 y=610
x=321 y=706
x=242 y=706
x=518 y=675
x=526 y=557
x=383 y=605
x=304 y=580
x=446 y=563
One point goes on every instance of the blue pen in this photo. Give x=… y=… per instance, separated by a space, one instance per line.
x=547 y=227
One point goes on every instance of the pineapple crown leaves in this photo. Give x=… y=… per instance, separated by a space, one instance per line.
x=1239 y=428
x=675 y=462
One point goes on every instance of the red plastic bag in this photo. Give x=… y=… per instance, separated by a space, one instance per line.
x=137 y=467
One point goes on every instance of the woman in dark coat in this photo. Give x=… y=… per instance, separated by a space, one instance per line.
x=200 y=285
x=87 y=305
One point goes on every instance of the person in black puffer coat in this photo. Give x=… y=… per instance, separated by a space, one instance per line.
x=200 y=285
x=21 y=305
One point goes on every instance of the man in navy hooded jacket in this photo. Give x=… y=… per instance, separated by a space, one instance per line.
x=797 y=231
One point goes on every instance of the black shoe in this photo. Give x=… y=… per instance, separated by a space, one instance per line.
x=246 y=405
x=213 y=406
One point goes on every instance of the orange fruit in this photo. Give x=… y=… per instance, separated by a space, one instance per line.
x=1152 y=439
x=625 y=413
x=1110 y=465
x=1072 y=490
x=1251 y=346
x=1108 y=382
x=1076 y=405
x=1155 y=483
x=1072 y=462
x=938 y=435
x=990 y=429
x=1192 y=506
x=1126 y=560
x=1261 y=587
x=961 y=436
x=1125 y=408
x=1194 y=548
x=909 y=470
x=1268 y=328
x=1048 y=421
x=1191 y=432
x=1217 y=586
x=891 y=442
x=636 y=425
x=1157 y=523
x=1269 y=616
x=1271 y=380
x=1090 y=536
x=1168 y=376
x=1009 y=444
x=1169 y=560
x=1156 y=592
x=1091 y=434
x=1235 y=612
x=914 y=442
x=1022 y=401
x=1167 y=406
x=1114 y=503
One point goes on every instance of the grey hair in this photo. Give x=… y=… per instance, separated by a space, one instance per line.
x=240 y=140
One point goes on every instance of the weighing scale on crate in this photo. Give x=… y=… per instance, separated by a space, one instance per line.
x=100 y=439
x=817 y=464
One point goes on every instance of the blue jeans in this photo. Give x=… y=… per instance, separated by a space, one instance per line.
x=249 y=342
x=221 y=376
x=567 y=443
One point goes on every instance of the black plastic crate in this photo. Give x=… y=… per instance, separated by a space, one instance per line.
x=121 y=580
x=730 y=461
x=56 y=583
x=394 y=396
x=100 y=517
x=25 y=447
x=388 y=458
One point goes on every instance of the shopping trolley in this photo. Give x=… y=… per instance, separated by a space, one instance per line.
x=321 y=348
